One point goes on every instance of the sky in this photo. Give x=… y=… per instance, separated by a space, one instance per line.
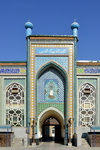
x=49 y=17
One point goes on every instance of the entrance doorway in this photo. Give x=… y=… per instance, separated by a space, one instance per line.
x=51 y=130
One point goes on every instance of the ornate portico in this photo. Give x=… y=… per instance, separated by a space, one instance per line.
x=51 y=79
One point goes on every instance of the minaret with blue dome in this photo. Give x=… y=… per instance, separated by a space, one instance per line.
x=75 y=27
x=29 y=27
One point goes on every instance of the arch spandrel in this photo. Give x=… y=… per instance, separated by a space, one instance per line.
x=52 y=64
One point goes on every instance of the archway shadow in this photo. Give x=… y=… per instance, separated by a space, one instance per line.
x=51 y=131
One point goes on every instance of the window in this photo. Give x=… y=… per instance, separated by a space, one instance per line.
x=15 y=105
x=87 y=105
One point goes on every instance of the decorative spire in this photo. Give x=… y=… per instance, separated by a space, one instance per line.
x=75 y=27
x=29 y=27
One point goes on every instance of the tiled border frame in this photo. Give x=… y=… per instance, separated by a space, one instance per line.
x=70 y=79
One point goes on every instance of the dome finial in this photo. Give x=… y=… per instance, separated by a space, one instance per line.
x=75 y=27
x=29 y=27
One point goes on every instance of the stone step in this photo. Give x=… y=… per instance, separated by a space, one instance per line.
x=17 y=142
x=84 y=143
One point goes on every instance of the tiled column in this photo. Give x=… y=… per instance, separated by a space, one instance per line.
x=70 y=130
x=32 y=89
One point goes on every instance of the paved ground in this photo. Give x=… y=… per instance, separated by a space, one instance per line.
x=51 y=146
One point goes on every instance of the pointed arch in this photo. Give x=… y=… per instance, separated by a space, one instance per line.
x=47 y=113
x=55 y=67
x=52 y=64
x=62 y=73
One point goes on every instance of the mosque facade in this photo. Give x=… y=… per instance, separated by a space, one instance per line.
x=51 y=96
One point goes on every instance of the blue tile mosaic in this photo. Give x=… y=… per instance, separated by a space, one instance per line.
x=43 y=106
x=50 y=86
x=9 y=81
x=51 y=90
x=82 y=81
x=63 y=61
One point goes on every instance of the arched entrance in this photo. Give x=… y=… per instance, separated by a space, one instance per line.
x=51 y=130
x=51 y=96
x=51 y=125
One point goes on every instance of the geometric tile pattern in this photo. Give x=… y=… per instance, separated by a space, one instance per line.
x=53 y=75
x=15 y=105
x=32 y=85
x=8 y=81
x=34 y=68
x=71 y=86
x=93 y=82
x=82 y=81
x=87 y=105
x=21 y=82
x=63 y=61
x=43 y=106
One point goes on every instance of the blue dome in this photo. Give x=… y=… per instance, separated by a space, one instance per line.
x=74 y=25
x=28 y=25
